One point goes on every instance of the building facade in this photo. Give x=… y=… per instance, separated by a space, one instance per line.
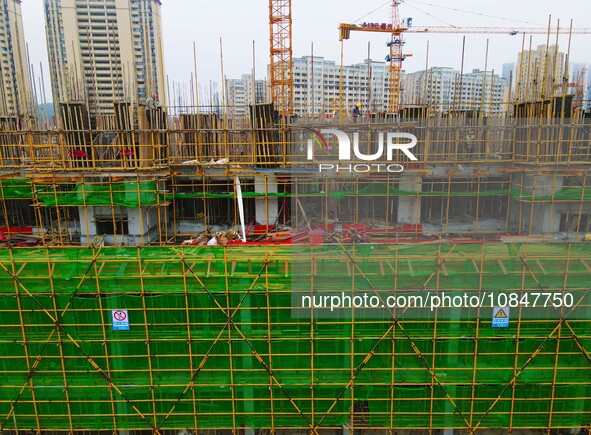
x=17 y=100
x=244 y=92
x=434 y=87
x=102 y=51
x=508 y=71
x=445 y=89
x=540 y=73
x=116 y=317
x=323 y=87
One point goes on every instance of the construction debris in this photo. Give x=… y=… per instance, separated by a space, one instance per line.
x=19 y=240
x=350 y=235
x=219 y=238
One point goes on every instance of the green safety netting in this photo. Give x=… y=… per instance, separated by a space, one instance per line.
x=493 y=192
x=15 y=188
x=127 y=194
x=176 y=299
x=567 y=193
x=181 y=195
x=571 y=193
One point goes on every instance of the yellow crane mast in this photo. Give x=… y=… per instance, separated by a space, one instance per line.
x=396 y=56
x=281 y=63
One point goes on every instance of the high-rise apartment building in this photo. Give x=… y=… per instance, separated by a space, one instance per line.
x=318 y=83
x=508 y=72
x=446 y=89
x=482 y=90
x=16 y=93
x=539 y=73
x=244 y=92
x=434 y=87
x=323 y=87
x=103 y=51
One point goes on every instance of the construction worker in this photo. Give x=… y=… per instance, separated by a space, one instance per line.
x=356 y=112
x=152 y=102
x=470 y=145
x=151 y=106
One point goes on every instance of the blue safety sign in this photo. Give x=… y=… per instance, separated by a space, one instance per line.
x=120 y=320
x=500 y=317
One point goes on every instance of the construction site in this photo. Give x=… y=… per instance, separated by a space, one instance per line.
x=154 y=262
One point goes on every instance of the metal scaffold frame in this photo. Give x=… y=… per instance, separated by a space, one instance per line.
x=208 y=139
x=72 y=210
x=281 y=64
x=213 y=341
x=172 y=269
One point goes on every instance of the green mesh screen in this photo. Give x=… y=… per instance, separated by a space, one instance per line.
x=183 y=364
x=133 y=194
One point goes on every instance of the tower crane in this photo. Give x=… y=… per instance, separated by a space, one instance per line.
x=396 y=55
x=345 y=30
x=395 y=59
x=398 y=28
x=281 y=61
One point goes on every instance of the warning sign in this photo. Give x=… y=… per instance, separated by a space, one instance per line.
x=500 y=317
x=120 y=320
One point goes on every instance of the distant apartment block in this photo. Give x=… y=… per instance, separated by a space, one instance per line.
x=578 y=71
x=244 y=92
x=16 y=94
x=318 y=82
x=446 y=89
x=508 y=71
x=103 y=51
x=539 y=73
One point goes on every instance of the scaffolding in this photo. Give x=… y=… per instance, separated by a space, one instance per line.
x=163 y=209
x=94 y=222
x=442 y=140
x=213 y=341
x=174 y=270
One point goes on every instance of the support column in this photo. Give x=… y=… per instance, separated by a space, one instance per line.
x=537 y=217
x=144 y=227
x=409 y=207
x=87 y=225
x=266 y=208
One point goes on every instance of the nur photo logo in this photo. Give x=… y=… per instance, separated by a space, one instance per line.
x=387 y=143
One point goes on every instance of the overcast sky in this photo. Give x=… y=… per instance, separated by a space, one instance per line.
x=240 y=22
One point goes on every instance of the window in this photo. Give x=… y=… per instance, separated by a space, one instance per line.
x=106 y=225
x=569 y=221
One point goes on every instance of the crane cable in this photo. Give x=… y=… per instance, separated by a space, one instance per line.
x=471 y=12
x=369 y=13
x=431 y=15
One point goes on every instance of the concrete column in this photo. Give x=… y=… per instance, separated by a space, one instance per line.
x=87 y=225
x=544 y=216
x=133 y=222
x=546 y=219
x=140 y=222
x=409 y=207
x=147 y=225
x=264 y=205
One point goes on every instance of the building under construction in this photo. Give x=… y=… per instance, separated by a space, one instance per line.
x=151 y=223
x=171 y=274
